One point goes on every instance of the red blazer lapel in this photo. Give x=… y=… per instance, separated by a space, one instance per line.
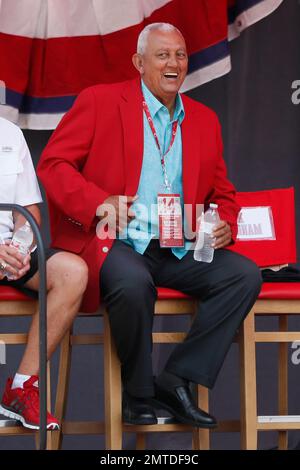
x=190 y=153
x=132 y=120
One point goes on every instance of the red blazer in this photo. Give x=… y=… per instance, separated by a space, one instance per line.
x=97 y=151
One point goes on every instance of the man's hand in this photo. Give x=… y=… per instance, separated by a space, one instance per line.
x=119 y=217
x=12 y=261
x=222 y=235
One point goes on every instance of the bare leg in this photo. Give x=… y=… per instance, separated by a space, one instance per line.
x=67 y=276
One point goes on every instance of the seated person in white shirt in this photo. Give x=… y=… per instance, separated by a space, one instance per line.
x=66 y=276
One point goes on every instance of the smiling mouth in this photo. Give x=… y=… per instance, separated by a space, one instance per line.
x=171 y=75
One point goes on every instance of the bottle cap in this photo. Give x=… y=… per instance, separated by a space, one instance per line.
x=213 y=206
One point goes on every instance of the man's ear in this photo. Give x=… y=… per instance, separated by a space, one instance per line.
x=138 y=62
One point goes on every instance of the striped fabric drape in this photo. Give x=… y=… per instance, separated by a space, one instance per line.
x=51 y=49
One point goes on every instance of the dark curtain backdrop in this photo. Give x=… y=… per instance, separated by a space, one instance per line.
x=261 y=131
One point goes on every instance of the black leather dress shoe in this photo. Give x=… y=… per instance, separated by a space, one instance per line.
x=180 y=403
x=137 y=410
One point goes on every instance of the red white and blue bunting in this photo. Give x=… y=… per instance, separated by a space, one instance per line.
x=51 y=49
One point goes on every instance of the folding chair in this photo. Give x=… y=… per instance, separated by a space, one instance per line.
x=68 y=427
x=276 y=299
x=14 y=303
x=169 y=303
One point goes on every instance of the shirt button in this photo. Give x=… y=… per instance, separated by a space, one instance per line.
x=105 y=249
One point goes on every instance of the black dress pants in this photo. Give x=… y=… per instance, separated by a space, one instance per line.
x=227 y=288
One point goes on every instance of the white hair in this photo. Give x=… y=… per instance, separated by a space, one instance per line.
x=143 y=36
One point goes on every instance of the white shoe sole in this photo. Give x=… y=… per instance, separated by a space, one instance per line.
x=10 y=414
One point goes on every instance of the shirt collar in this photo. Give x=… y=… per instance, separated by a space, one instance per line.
x=155 y=105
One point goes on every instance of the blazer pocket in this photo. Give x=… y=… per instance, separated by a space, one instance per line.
x=69 y=236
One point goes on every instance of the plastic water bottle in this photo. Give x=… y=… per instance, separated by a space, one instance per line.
x=22 y=241
x=203 y=249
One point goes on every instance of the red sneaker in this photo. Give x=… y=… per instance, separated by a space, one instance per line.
x=23 y=404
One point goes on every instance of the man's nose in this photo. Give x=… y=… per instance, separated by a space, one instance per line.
x=172 y=61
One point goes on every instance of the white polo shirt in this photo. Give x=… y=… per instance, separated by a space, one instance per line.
x=18 y=181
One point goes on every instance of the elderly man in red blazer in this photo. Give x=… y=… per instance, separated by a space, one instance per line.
x=140 y=139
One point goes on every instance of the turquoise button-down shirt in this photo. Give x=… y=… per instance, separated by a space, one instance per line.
x=145 y=225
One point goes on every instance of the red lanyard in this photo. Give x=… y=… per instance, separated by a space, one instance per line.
x=162 y=155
